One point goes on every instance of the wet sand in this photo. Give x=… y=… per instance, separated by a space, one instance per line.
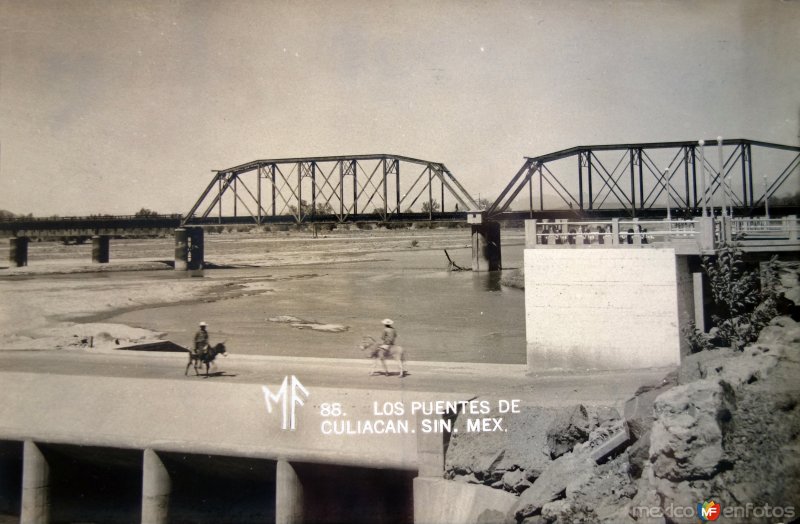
x=62 y=301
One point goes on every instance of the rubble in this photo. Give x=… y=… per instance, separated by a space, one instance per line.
x=568 y=429
x=725 y=426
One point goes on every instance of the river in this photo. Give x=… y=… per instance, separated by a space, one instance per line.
x=439 y=315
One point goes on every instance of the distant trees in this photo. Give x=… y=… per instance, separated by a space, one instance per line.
x=144 y=212
x=788 y=200
x=483 y=203
x=7 y=215
x=321 y=208
x=431 y=207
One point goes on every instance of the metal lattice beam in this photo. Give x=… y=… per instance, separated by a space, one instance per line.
x=660 y=175
x=334 y=188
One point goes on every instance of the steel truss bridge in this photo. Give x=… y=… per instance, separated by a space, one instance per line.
x=644 y=179
x=331 y=189
x=601 y=181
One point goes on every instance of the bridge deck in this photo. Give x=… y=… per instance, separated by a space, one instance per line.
x=131 y=400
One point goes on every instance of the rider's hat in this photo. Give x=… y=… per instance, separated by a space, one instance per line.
x=387 y=322
x=203 y=324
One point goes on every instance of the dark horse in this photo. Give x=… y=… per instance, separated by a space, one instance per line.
x=206 y=358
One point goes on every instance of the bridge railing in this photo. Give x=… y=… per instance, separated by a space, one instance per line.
x=763 y=227
x=701 y=235
x=22 y=219
x=27 y=225
x=614 y=232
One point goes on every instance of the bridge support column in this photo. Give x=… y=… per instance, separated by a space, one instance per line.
x=100 y=249
x=181 y=250
x=18 y=251
x=288 y=495
x=706 y=238
x=485 y=243
x=430 y=456
x=35 y=485
x=790 y=225
x=196 y=248
x=699 y=301
x=156 y=489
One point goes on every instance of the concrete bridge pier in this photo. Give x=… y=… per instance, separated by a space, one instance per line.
x=196 y=248
x=486 y=255
x=35 y=485
x=288 y=495
x=189 y=248
x=18 y=251
x=181 y=250
x=156 y=489
x=100 y=249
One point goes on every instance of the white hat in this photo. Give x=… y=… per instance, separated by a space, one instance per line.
x=387 y=322
x=203 y=324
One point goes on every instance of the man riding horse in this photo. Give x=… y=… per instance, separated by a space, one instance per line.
x=389 y=336
x=203 y=352
x=201 y=340
x=385 y=349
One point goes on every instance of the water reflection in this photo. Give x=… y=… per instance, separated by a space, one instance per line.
x=487 y=280
x=440 y=315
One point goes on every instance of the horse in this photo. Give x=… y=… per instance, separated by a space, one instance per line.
x=206 y=357
x=373 y=347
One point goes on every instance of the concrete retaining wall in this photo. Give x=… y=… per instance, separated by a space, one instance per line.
x=439 y=500
x=602 y=308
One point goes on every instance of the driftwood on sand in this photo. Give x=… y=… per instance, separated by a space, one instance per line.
x=452 y=266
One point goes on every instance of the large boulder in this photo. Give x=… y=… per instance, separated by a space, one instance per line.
x=491 y=455
x=686 y=439
x=638 y=411
x=567 y=429
x=780 y=332
x=639 y=456
x=552 y=484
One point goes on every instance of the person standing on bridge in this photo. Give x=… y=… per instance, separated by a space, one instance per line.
x=201 y=339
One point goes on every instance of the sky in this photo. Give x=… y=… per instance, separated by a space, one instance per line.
x=111 y=106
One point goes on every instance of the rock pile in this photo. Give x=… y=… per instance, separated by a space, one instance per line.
x=724 y=427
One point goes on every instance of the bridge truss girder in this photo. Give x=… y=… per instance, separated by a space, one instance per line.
x=637 y=182
x=334 y=187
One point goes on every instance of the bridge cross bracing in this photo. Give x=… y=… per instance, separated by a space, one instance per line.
x=332 y=188
x=644 y=179
x=601 y=181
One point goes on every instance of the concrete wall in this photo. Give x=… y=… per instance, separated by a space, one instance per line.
x=195 y=417
x=686 y=302
x=602 y=308
x=439 y=500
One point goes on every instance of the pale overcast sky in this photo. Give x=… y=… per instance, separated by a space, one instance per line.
x=110 y=106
